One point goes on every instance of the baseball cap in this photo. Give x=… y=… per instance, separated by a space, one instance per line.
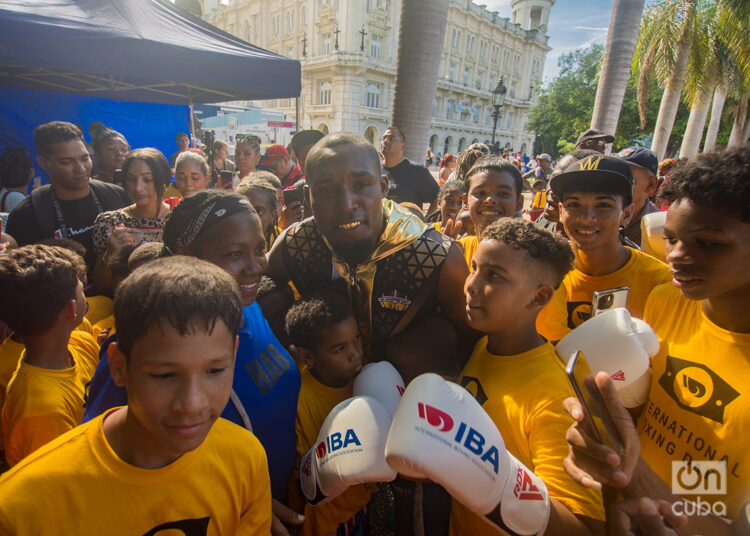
x=544 y=156
x=641 y=157
x=593 y=134
x=273 y=153
x=305 y=137
x=593 y=174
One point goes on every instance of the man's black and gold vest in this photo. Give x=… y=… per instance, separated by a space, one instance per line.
x=402 y=272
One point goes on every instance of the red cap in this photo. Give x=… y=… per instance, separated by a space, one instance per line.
x=273 y=153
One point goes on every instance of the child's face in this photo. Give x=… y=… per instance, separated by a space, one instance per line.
x=450 y=206
x=708 y=252
x=237 y=245
x=265 y=209
x=492 y=196
x=593 y=220
x=177 y=386
x=338 y=357
x=501 y=284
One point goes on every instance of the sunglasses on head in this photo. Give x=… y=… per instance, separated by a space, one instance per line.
x=248 y=137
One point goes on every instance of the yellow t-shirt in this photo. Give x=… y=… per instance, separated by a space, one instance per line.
x=571 y=304
x=313 y=406
x=105 y=323
x=523 y=395
x=437 y=227
x=77 y=483
x=540 y=199
x=10 y=355
x=698 y=408
x=470 y=244
x=99 y=307
x=42 y=404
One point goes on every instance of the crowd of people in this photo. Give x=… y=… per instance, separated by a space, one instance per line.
x=325 y=338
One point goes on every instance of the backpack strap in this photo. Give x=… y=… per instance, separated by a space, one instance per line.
x=43 y=210
x=109 y=195
x=2 y=201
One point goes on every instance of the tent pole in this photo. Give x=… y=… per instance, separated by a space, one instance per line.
x=296 y=116
x=192 y=123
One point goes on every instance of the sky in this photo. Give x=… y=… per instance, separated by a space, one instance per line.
x=573 y=24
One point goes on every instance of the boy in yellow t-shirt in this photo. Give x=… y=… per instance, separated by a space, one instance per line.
x=43 y=303
x=326 y=338
x=494 y=190
x=596 y=199
x=515 y=374
x=166 y=460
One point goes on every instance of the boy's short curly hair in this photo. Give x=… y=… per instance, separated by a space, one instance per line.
x=315 y=313
x=544 y=247
x=36 y=282
x=720 y=180
x=183 y=292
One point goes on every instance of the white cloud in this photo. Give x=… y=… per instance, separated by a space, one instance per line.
x=590 y=28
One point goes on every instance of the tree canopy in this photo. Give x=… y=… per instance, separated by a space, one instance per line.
x=567 y=102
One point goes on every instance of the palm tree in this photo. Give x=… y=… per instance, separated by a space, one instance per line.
x=417 y=70
x=715 y=123
x=662 y=50
x=615 y=72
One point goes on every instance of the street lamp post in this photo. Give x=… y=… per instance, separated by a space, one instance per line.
x=498 y=98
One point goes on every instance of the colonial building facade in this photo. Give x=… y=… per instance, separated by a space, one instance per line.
x=348 y=51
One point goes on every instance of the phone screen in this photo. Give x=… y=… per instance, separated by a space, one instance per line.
x=596 y=417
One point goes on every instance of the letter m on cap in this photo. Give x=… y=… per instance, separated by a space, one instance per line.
x=590 y=163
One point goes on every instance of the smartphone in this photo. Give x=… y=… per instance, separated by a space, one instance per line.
x=119 y=178
x=291 y=195
x=225 y=179
x=596 y=418
x=609 y=299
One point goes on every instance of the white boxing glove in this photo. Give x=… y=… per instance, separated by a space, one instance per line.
x=382 y=382
x=440 y=432
x=619 y=345
x=652 y=235
x=349 y=450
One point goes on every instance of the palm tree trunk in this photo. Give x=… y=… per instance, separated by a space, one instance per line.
x=670 y=100
x=618 y=54
x=715 y=123
x=735 y=138
x=694 y=130
x=417 y=70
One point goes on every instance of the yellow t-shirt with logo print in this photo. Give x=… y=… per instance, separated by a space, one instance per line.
x=77 y=484
x=698 y=406
x=571 y=304
x=523 y=395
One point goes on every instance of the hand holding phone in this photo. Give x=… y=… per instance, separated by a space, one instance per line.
x=604 y=300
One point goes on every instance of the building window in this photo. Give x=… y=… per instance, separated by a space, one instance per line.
x=452 y=72
x=512 y=89
x=478 y=84
x=274 y=25
x=483 y=49
x=536 y=17
x=435 y=107
x=509 y=120
x=515 y=63
x=249 y=34
x=491 y=81
x=487 y=116
x=466 y=76
x=326 y=49
x=449 y=109
x=469 y=46
x=506 y=59
x=303 y=16
x=372 y=95
x=495 y=54
x=324 y=92
x=376 y=43
x=288 y=21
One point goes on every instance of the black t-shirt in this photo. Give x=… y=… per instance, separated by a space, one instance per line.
x=412 y=183
x=79 y=216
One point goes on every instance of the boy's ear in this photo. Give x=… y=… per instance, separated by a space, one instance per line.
x=627 y=214
x=118 y=364
x=42 y=162
x=519 y=203
x=305 y=356
x=542 y=296
x=70 y=310
x=464 y=200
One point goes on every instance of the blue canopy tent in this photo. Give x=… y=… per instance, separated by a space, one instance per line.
x=146 y=51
